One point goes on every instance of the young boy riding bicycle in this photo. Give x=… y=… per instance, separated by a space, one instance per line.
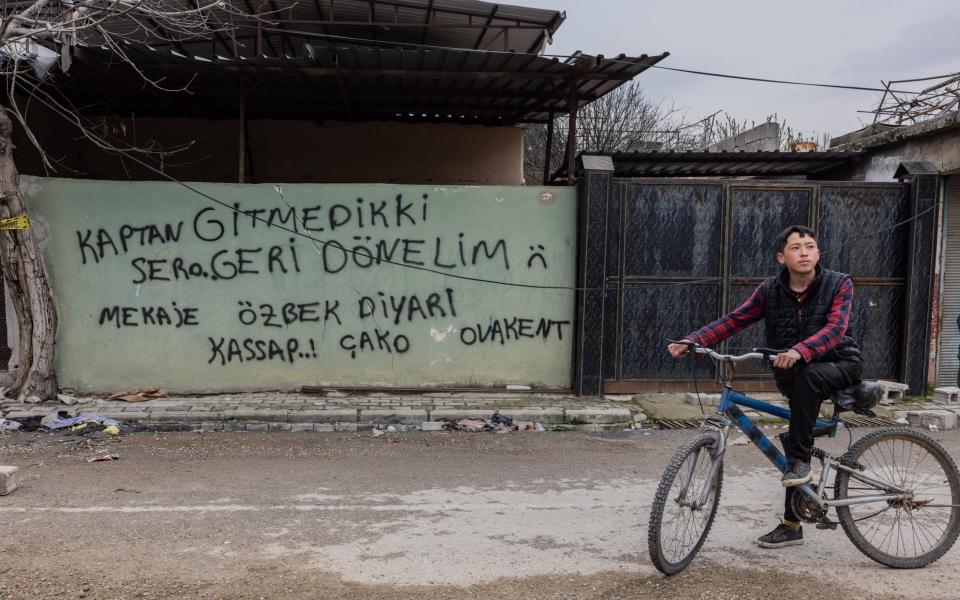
x=806 y=312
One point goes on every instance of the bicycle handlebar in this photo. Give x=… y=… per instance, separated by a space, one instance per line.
x=761 y=353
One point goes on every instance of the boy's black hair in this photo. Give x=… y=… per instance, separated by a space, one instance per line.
x=803 y=230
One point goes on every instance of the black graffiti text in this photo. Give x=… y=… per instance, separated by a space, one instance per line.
x=223 y=265
x=397 y=308
x=135 y=316
x=365 y=252
x=95 y=245
x=289 y=313
x=508 y=329
x=211 y=224
x=224 y=351
x=375 y=341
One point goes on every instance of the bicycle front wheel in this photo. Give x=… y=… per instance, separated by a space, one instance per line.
x=903 y=534
x=681 y=516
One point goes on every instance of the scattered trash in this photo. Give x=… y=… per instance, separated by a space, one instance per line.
x=112 y=429
x=377 y=432
x=33 y=399
x=103 y=455
x=472 y=425
x=902 y=421
x=497 y=423
x=31 y=423
x=391 y=428
x=139 y=394
x=514 y=386
x=933 y=427
x=62 y=419
x=8 y=425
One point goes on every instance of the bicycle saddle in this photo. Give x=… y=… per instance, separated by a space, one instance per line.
x=859 y=398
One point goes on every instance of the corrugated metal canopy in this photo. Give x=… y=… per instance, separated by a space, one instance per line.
x=346 y=83
x=724 y=164
x=284 y=26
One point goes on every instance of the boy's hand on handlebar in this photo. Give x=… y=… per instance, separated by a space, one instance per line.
x=786 y=360
x=678 y=350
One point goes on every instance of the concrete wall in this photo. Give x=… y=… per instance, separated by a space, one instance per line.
x=156 y=284
x=936 y=141
x=290 y=151
x=880 y=165
x=762 y=138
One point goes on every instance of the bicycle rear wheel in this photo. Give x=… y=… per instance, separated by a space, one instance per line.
x=905 y=534
x=678 y=523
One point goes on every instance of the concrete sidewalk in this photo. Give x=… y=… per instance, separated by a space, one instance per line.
x=335 y=411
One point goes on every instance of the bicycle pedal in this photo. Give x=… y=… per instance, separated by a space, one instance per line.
x=826 y=525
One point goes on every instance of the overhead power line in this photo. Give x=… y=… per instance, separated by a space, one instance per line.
x=317 y=34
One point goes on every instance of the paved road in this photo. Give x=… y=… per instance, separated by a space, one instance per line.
x=425 y=515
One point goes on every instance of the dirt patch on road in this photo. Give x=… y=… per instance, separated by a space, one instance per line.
x=701 y=583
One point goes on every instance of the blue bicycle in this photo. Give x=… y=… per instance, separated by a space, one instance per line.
x=896 y=492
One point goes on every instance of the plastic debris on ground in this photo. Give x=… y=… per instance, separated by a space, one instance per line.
x=102 y=456
x=8 y=425
x=139 y=394
x=497 y=423
x=377 y=432
x=62 y=419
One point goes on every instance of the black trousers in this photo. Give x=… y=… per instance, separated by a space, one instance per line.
x=808 y=387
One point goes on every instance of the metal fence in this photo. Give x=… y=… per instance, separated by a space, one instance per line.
x=661 y=257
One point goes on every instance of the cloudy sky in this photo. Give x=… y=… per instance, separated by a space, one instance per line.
x=836 y=41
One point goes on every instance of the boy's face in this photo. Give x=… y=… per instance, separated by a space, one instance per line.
x=800 y=255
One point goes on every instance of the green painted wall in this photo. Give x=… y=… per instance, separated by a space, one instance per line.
x=156 y=284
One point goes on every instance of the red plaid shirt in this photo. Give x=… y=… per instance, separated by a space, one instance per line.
x=752 y=311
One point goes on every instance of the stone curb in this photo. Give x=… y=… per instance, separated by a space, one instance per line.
x=234 y=415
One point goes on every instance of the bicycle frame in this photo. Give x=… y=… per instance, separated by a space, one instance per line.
x=729 y=415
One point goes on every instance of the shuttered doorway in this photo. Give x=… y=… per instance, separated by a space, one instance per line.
x=948 y=362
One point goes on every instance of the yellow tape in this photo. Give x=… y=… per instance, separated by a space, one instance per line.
x=21 y=222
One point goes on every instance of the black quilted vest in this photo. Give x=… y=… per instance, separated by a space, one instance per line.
x=788 y=323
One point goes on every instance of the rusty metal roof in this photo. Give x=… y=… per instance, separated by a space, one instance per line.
x=348 y=83
x=724 y=164
x=283 y=26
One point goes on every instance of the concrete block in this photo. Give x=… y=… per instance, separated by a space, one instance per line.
x=235 y=426
x=333 y=415
x=706 y=399
x=8 y=480
x=456 y=414
x=257 y=426
x=432 y=426
x=946 y=395
x=598 y=416
x=352 y=427
x=301 y=427
x=893 y=391
x=279 y=427
x=943 y=419
x=394 y=417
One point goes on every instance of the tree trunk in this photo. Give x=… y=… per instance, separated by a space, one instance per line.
x=25 y=274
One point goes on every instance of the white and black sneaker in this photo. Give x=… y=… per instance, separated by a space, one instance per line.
x=784 y=535
x=798 y=473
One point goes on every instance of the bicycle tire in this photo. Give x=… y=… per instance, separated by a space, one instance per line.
x=866 y=452
x=656 y=541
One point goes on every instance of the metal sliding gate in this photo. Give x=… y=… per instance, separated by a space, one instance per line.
x=661 y=257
